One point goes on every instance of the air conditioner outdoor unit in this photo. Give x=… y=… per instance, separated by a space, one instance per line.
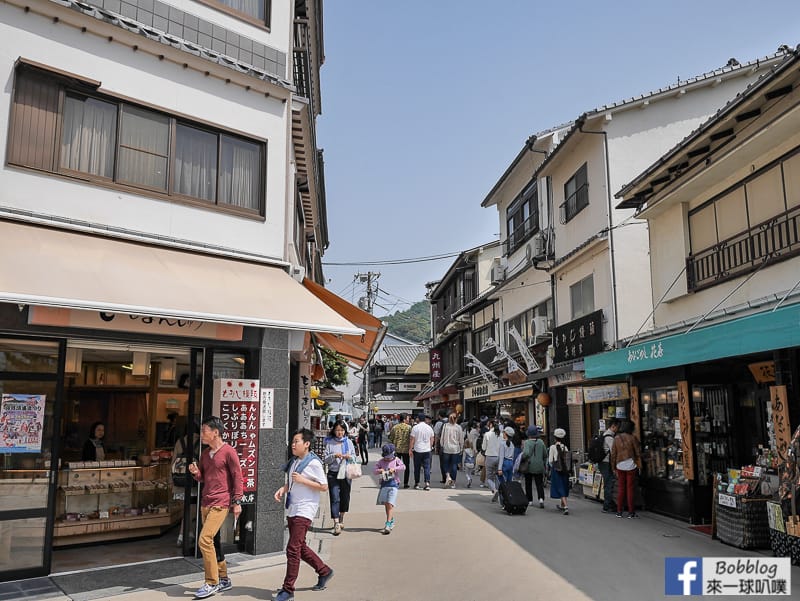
x=498 y=273
x=539 y=326
x=539 y=245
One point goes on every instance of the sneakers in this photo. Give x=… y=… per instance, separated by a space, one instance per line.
x=322 y=581
x=387 y=528
x=565 y=511
x=206 y=591
x=632 y=515
x=605 y=510
x=405 y=486
x=619 y=514
x=180 y=540
x=427 y=486
x=337 y=529
x=495 y=495
x=416 y=487
x=225 y=584
x=469 y=483
x=284 y=596
x=541 y=503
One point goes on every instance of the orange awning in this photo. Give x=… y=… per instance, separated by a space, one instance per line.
x=357 y=349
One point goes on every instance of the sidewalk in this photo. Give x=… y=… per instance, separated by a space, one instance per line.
x=447 y=545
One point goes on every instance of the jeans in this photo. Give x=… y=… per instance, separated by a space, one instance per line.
x=378 y=438
x=339 y=494
x=362 y=448
x=626 y=481
x=214 y=565
x=451 y=464
x=529 y=479
x=442 y=465
x=492 y=461
x=608 y=485
x=422 y=460
x=508 y=470
x=297 y=549
x=406 y=459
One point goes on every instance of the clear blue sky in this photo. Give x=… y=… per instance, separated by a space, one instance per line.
x=425 y=104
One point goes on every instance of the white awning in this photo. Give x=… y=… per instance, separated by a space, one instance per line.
x=57 y=268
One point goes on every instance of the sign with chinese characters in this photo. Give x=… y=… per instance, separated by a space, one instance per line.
x=479 y=391
x=606 y=392
x=779 y=401
x=435 y=356
x=267 y=408
x=575 y=396
x=685 y=420
x=763 y=372
x=21 y=423
x=239 y=409
x=403 y=386
x=727 y=500
x=570 y=377
x=123 y=322
x=579 y=338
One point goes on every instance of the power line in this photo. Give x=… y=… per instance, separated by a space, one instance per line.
x=394 y=261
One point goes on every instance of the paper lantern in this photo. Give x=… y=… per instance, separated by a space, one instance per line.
x=543 y=399
x=459 y=408
x=314 y=392
x=320 y=402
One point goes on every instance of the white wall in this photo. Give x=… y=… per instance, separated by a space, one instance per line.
x=594 y=262
x=142 y=77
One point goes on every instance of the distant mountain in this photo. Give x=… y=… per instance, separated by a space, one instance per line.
x=414 y=323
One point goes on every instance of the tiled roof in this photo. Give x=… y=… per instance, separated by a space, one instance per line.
x=399 y=354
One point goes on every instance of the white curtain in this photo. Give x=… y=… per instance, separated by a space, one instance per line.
x=88 y=136
x=195 y=163
x=240 y=173
x=144 y=144
x=255 y=8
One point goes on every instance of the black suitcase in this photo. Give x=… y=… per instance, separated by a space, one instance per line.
x=512 y=498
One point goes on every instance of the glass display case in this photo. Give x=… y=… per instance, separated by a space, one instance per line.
x=662 y=455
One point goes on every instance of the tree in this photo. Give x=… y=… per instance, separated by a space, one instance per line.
x=413 y=324
x=335 y=366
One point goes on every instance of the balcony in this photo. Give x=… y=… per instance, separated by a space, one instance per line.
x=770 y=242
x=576 y=202
x=521 y=234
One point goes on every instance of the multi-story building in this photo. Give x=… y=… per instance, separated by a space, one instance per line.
x=714 y=378
x=392 y=385
x=161 y=199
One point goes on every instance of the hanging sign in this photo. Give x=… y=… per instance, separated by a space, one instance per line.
x=267 y=408
x=685 y=422
x=239 y=410
x=779 y=400
x=21 y=423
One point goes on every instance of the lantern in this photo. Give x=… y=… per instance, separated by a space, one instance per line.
x=459 y=408
x=314 y=392
x=543 y=399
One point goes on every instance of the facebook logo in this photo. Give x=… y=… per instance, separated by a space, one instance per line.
x=683 y=576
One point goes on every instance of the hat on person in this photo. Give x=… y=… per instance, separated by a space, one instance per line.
x=533 y=430
x=484 y=420
x=509 y=431
x=560 y=433
x=387 y=450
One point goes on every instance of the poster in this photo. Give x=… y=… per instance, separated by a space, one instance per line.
x=239 y=409
x=21 y=423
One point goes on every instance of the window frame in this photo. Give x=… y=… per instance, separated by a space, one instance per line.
x=579 y=286
x=580 y=194
x=523 y=227
x=266 y=24
x=64 y=86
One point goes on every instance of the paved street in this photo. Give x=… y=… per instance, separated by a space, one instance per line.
x=456 y=545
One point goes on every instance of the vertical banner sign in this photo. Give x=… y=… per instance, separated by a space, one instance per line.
x=267 y=408
x=635 y=412
x=21 y=422
x=239 y=404
x=435 y=356
x=685 y=418
x=780 y=419
x=305 y=398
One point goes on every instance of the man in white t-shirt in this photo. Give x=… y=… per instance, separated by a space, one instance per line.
x=421 y=445
x=306 y=479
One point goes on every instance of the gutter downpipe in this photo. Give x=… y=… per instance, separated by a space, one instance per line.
x=581 y=123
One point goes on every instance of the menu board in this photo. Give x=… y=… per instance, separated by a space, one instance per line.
x=239 y=410
x=21 y=423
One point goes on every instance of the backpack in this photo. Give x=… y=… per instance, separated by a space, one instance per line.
x=597 y=448
x=564 y=461
x=479 y=444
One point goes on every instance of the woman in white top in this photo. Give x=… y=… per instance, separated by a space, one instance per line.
x=491 y=447
x=452 y=444
x=560 y=463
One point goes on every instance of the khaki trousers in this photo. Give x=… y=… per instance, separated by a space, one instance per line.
x=214 y=564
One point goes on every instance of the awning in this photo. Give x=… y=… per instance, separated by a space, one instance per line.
x=58 y=268
x=512 y=392
x=443 y=386
x=421 y=365
x=757 y=333
x=357 y=349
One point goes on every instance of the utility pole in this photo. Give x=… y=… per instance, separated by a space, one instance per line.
x=368 y=302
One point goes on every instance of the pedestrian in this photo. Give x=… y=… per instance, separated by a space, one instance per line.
x=437 y=432
x=491 y=448
x=560 y=462
x=535 y=452
x=470 y=454
x=306 y=479
x=626 y=458
x=606 y=468
x=338 y=451
x=371 y=424
x=400 y=437
x=220 y=473
x=506 y=456
x=379 y=426
x=421 y=445
x=451 y=439
x=363 y=436
x=388 y=468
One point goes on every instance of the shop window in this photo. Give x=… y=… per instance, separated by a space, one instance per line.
x=28 y=356
x=662 y=453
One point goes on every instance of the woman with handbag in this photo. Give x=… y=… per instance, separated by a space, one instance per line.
x=339 y=451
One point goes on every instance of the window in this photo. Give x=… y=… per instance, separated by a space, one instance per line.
x=109 y=141
x=253 y=10
x=522 y=322
x=522 y=218
x=581 y=297
x=576 y=193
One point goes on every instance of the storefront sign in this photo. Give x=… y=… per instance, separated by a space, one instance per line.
x=763 y=372
x=403 y=386
x=239 y=409
x=685 y=419
x=122 y=322
x=570 y=377
x=435 y=356
x=267 y=408
x=635 y=412
x=780 y=419
x=575 y=396
x=21 y=423
x=607 y=392
x=727 y=500
x=479 y=391
x=579 y=338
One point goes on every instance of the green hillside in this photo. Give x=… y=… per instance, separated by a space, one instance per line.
x=414 y=323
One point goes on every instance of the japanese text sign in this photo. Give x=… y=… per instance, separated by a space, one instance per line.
x=239 y=404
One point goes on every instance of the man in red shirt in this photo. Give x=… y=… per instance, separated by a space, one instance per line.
x=221 y=475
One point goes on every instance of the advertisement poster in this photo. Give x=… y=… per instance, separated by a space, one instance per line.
x=21 y=423
x=239 y=404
